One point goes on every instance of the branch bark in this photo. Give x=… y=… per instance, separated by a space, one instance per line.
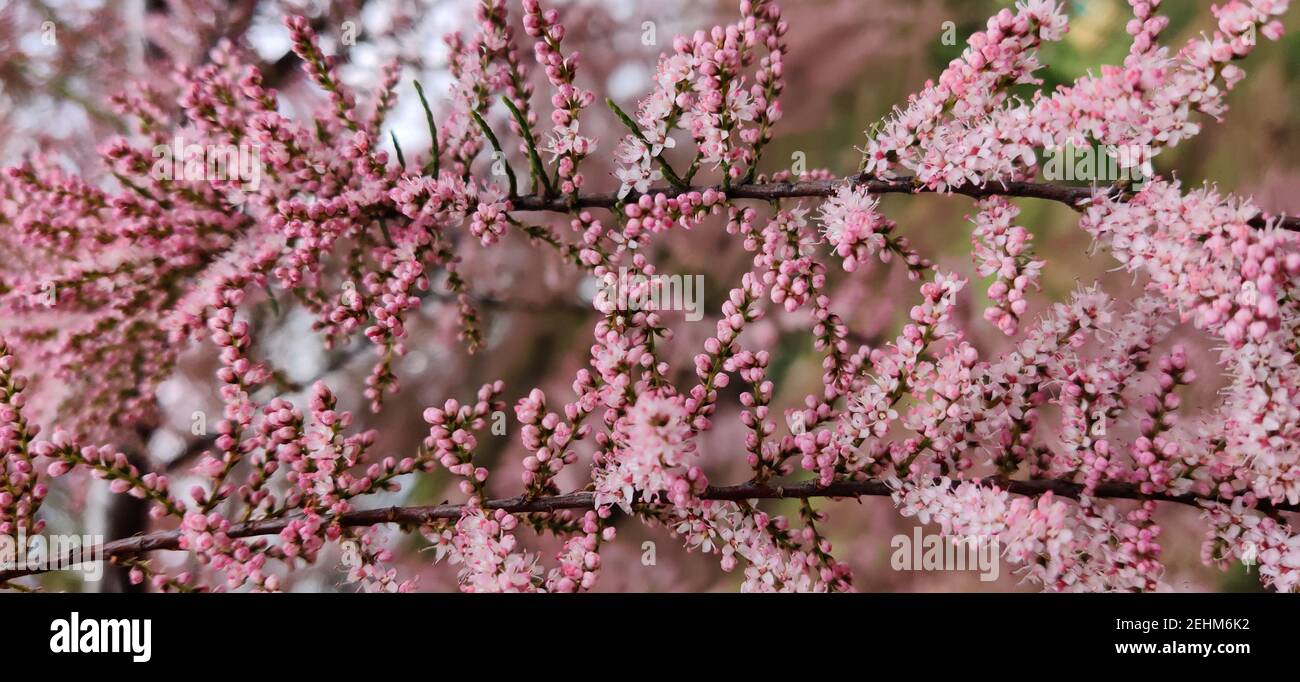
x=1069 y=195
x=415 y=516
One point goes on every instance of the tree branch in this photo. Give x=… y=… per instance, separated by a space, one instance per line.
x=1069 y=195
x=415 y=516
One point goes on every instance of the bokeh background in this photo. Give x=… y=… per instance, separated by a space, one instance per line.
x=850 y=62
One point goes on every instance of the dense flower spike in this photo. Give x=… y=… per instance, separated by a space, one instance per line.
x=1060 y=445
x=484 y=548
x=20 y=491
x=654 y=456
x=1001 y=249
x=856 y=231
x=450 y=439
x=566 y=146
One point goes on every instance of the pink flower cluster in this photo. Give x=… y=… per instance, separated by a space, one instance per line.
x=1236 y=281
x=451 y=439
x=566 y=146
x=703 y=87
x=548 y=437
x=484 y=548
x=966 y=129
x=20 y=493
x=654 y=455
x=1255 y=540
x=853 y=227
x=1060 y=549
x=971 y=147
x=1002 y=250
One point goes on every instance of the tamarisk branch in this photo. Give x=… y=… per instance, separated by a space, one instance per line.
x=1072 y=196
x=520 y=504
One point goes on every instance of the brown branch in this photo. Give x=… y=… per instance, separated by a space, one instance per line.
x=1069 y=195
x=416 y=516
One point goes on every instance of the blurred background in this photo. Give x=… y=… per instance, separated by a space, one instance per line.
x=849 y=63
